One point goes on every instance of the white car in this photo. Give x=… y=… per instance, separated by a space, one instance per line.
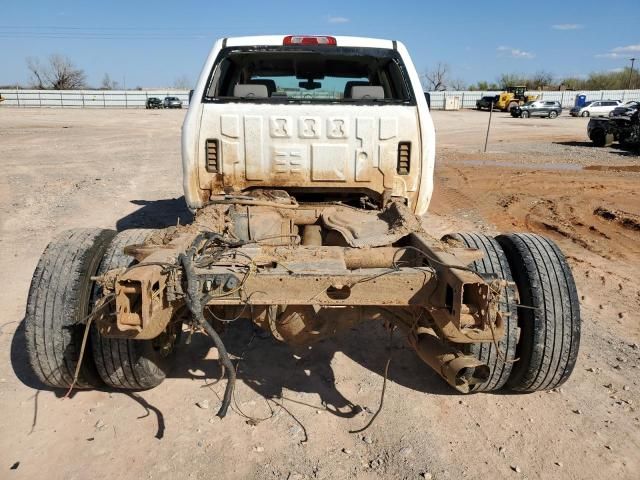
x=599 y=108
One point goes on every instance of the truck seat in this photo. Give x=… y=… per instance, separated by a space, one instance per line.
x=368 y=92
x=245 y=90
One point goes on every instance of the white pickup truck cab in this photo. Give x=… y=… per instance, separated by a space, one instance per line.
x=313 y=115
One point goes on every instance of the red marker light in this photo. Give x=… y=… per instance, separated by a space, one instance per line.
x=308 y=40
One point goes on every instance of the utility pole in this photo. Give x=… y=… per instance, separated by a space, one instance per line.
x=630 y=73
x=486 y=139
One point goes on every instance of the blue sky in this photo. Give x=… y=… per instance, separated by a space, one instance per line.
x=155 y=43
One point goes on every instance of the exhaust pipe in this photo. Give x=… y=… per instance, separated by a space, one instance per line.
x=459 y=370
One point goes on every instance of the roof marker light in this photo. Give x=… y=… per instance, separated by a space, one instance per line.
x=308 y=40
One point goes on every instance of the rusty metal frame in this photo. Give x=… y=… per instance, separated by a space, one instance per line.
x=459 y=304
x=402 y=287
x=465 y=303
x=142 y=307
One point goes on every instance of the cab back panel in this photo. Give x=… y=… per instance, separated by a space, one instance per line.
x=309 y=146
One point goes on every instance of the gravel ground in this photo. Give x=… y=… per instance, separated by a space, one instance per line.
x=120 y=169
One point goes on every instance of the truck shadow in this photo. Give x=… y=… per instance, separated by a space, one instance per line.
x=272 y=368
x=24 y=373
x=575 y=143
x=156 y=214
x=623 y=150
x=20 y=360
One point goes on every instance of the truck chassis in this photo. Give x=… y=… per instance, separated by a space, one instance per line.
x=478 y=310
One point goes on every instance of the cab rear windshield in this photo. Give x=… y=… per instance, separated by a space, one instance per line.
x=309 y=75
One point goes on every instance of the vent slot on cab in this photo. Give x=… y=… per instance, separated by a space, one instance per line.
x=213 y=166
x=404 y=156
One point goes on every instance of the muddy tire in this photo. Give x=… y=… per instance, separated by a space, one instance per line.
x=550 y=317
x=499 y=362
x=123 y=363
x=59 y=301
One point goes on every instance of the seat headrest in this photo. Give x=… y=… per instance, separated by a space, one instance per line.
x=267 y=82
x=244 y=90
x=353 y=83
x=368 y=92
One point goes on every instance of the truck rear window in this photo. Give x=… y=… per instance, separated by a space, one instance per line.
x=303 y=74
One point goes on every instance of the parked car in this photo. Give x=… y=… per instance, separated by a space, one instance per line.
x=539 y=108
x=575 y=111
x=622 y=129
x=154 y=102
x=597 y=108
x=625 y=110
x=172 y=102
x=485 y=102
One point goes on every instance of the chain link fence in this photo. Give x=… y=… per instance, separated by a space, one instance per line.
x=88 y=98
x=566 y=98
x=138 y=98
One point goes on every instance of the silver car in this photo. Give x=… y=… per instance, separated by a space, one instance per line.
x=172 y=102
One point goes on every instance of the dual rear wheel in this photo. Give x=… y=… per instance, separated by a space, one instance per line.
x=541 y=311
x=60 y=299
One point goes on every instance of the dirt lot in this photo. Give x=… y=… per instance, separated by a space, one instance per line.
x=120 y=169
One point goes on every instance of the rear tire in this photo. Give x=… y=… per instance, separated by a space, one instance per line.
x=550 y=317
x=553 y=114
x=125 y=363
x=601 y=139
x=58 y=303
x=500 y=363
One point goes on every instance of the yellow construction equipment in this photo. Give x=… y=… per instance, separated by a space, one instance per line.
x=513 y=97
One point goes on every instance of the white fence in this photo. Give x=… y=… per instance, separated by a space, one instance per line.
x=87 y=98
x=566 y=98
x=138 y=98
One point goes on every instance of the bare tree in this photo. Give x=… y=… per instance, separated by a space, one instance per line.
x=58 y=74
x=63 y=75
x=511 y=80
x=37 y=76
x=108 y=83
x=540 y=80
x=457 y=84
x=183 y=82
x=436 y=79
